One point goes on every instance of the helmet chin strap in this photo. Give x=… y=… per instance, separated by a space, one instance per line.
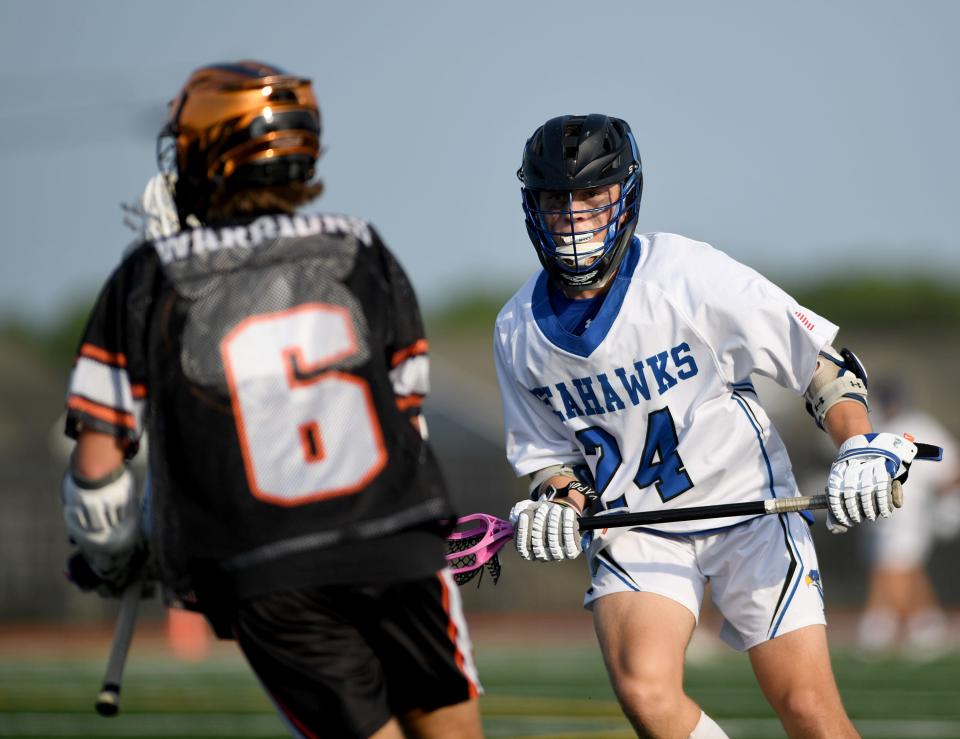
x=577 y=291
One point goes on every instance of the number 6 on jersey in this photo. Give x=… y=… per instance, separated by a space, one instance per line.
x=306 y=432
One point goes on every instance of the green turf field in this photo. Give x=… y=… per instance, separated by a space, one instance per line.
x=539 y=693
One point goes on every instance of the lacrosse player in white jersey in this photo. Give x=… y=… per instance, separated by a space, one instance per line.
x=901 y=594
x=625 y=371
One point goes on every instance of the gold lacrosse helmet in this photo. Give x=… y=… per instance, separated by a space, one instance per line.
x=239 y=125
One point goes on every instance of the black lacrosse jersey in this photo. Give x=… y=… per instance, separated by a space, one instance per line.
x=279 y=366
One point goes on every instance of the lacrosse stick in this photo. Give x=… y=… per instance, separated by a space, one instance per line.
x=470 y=550
x=108 y=699
x=475 y=546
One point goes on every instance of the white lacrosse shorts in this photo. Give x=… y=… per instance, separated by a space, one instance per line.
x=906 y=539
x=763 y=573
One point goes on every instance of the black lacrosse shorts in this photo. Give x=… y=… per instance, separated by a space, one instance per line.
x=341 y=660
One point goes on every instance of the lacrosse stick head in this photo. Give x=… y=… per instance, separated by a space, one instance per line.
x=474 y=544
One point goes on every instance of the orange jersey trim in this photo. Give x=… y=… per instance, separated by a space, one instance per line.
x=417 y=347
x=102 y=412
x=409 y=401
x=452 y=634
x=115 y=359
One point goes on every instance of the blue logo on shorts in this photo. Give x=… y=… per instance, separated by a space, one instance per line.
x=813 y=578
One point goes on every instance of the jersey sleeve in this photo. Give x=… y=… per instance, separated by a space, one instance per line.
x=753 y=326
x=534 y=435
x=407 y=347
x=107 y=391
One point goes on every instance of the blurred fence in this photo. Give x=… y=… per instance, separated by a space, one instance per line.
x=465 y=417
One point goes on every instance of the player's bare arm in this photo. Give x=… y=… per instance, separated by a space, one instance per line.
x=101 y=510
x=96 y=454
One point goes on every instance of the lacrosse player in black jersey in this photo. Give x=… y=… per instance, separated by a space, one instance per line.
x=279 y=363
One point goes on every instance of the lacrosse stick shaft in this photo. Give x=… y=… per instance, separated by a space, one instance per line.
x=108 y=699
x=647 y=518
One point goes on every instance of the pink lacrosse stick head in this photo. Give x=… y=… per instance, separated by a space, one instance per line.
x=475 y=544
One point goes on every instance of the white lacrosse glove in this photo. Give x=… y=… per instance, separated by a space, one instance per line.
x=103 y=519
x=545 y=530
x=865 y=477
x=155 y=214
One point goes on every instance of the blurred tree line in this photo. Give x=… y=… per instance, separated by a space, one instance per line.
x=899 y=325
x=906 y=305
x=915 y=304
x=56 y=341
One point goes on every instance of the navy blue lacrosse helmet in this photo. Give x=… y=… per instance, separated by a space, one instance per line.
x=576 y=160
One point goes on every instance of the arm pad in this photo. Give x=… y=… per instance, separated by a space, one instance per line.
x=836 y=379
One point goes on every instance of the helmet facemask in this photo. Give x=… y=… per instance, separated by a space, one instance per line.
x=581 y=235
x=582 y=183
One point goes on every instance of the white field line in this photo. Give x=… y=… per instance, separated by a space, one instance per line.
x=264 y=725
x=141 y=724
x=870 y=728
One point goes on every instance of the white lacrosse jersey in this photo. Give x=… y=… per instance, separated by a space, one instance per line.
x=906 y=539
x=655 y=396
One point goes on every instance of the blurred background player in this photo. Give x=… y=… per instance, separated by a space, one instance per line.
x=626 y=363
x=902 y=607
x=279 y=363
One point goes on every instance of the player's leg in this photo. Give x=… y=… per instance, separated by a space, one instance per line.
x=320 y=673
x=879 y=624
x=766 y=583
x=421 y=638
x=899 y=588
x=391 y=730
x=897 y=549
x=644 y=614
x=794 y=673
x=900 y=596
x=925 y=628
x=458 y=720
x=643 y=637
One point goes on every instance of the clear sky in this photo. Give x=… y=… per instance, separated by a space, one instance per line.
x=801 y=138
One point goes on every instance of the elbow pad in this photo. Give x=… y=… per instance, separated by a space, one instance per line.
x=837 y=378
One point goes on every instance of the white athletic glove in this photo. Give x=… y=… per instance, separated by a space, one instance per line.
x=103 y=519
x=155 y=214
x=864 y=479
x=545 y=530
